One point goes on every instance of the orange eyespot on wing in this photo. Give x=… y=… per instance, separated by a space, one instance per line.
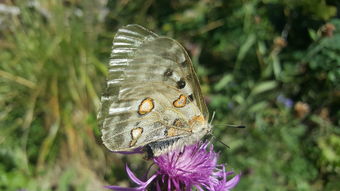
x=171 y=132
x=196 y=119
x=146 y=106
x=180 y=102
x=135 y=134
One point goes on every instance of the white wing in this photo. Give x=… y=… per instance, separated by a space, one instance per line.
x=151 y=86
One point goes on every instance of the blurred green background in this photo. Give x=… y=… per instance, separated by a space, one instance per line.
x=272 y=65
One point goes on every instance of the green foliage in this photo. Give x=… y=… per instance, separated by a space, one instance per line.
x=272 y=65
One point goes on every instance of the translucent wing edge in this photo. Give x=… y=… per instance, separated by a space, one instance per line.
x=126 y=40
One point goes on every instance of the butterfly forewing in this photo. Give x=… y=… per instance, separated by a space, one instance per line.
x=152 y=92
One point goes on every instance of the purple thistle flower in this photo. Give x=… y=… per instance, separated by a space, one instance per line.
x=141 y=185
x=194 y=166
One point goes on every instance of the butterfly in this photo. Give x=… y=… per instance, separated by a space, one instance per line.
x=152 y=98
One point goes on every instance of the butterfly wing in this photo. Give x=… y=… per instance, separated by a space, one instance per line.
x=152 y=91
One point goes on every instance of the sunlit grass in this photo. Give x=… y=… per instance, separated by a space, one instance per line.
x=50 y=74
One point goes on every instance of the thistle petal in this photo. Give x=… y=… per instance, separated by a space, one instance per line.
x=193 y=166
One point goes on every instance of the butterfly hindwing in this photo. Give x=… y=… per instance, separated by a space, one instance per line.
x=152 y=92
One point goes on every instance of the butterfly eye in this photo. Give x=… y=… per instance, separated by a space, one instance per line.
x=181 y=83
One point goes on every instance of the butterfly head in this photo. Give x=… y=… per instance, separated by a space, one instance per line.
x=200 y=125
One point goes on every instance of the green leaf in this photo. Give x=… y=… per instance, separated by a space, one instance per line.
x=263 y=87
x=258 y=107
x=276 y=66
x=313 y=34
x=245 y=47
x=224 y=82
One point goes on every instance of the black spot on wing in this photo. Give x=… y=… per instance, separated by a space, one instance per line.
x=191 y=98
x=183 y=64
x=181 y=83
x=168 y=72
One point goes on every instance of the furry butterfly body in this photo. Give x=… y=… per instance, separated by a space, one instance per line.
x=152 y=97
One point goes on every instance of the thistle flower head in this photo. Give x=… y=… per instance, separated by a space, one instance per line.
x=193 y=167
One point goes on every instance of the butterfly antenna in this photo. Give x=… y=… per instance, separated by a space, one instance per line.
x=212 y=118
x=237 y=126
x=230 y=125
x=220 y=142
